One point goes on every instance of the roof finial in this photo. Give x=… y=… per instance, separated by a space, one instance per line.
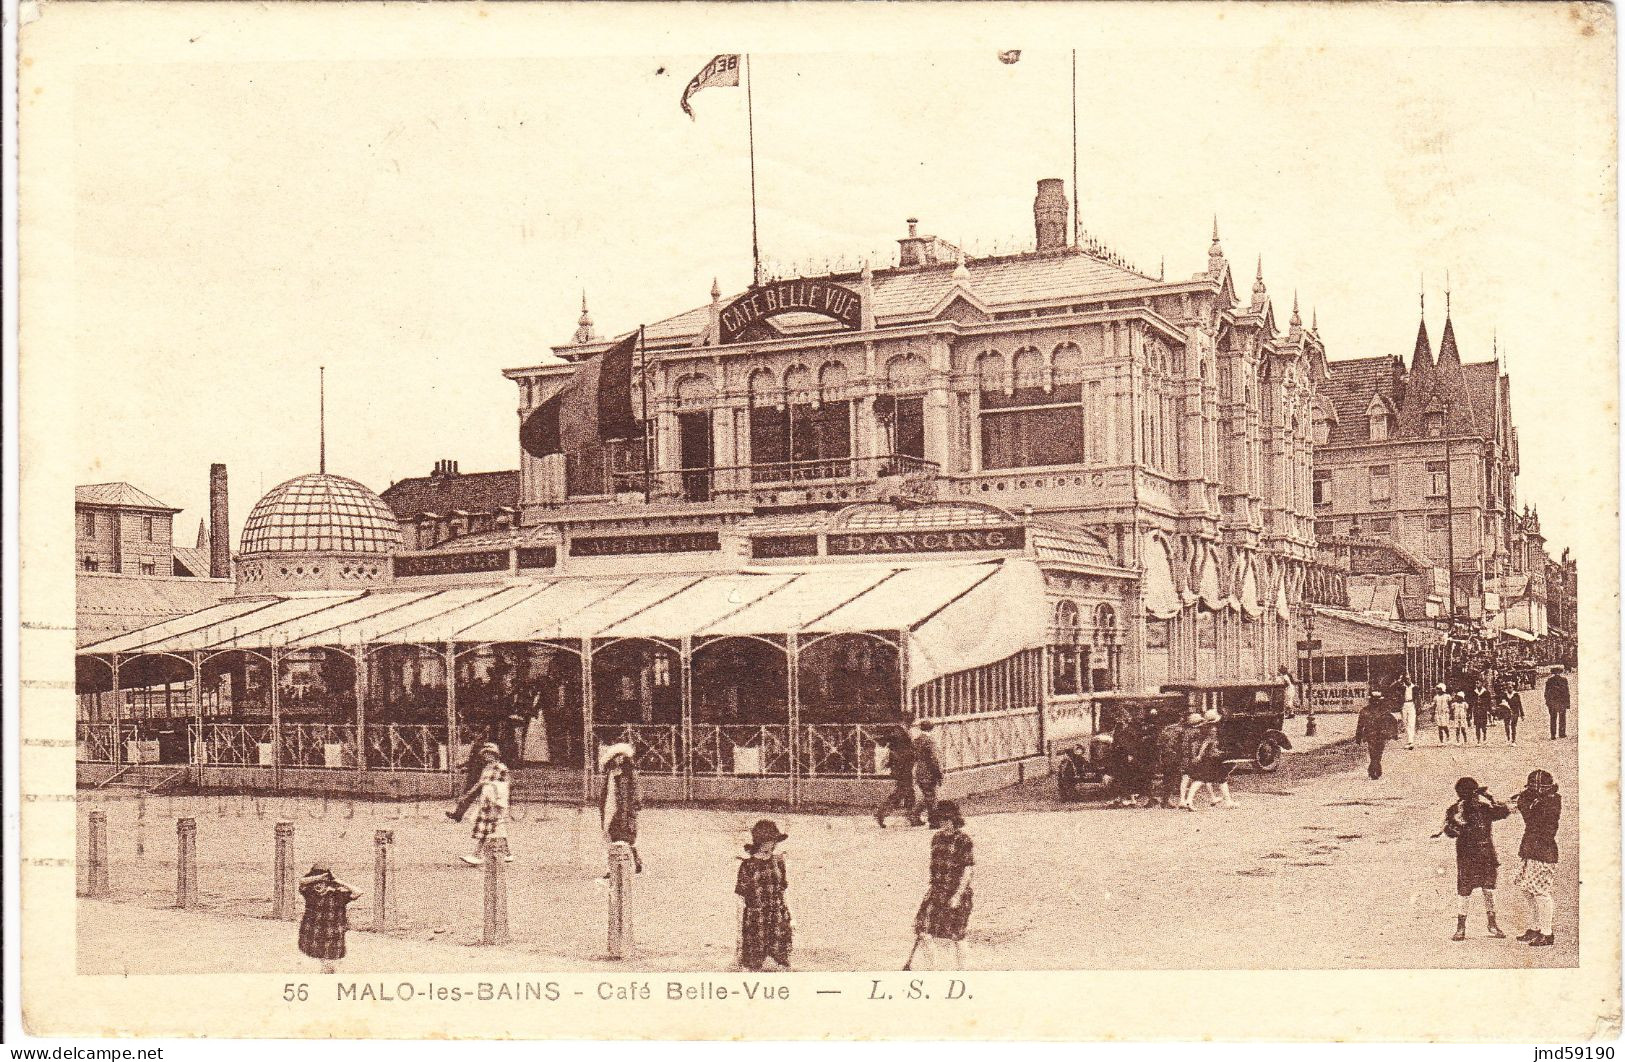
x=716 y=290
x=321 y=419
x=1162 y=268
x=1215 y=228
x=962 y=271
x=1297 y=322
x=1422 y=292
x=1447 y=294
x=1314 y=320
x=584 y=332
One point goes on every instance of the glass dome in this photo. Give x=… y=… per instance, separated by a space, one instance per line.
x=320 y=513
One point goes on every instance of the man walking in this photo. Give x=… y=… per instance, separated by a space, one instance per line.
x=900 y=761
x=927 y=768
x=1407 y=693
x=1374 y=730
x=1557 y=703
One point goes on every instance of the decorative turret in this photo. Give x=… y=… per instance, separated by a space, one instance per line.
x=1259 y=295
x=584 y=332
x=1452 y=379
x=962 y=272
x=1215 y=253
x=1295 y=325
x=713 y=333
x=1421 y=381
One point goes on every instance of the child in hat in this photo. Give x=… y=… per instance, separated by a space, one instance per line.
x=1441 y=714
x=764 y=919
x=1207 y=765
x=321 y=930
x=944 y=913
x=1458 y=716
x=1541 y=807
x=492 y=820
x=1471 y=821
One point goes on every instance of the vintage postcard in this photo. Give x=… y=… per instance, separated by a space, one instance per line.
x=1045 y=521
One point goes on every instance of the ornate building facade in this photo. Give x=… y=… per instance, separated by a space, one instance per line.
x=1424 y=458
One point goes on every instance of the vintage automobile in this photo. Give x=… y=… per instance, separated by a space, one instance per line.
x=1252 y=715
x=1118 y=724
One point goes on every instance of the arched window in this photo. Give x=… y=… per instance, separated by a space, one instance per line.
x=990 y=371
x=695 y=391
x=1066 y=654
x=1067 y=364
x=905 y=373
x=831 y=382
x=1105 y=660
x=1029 y=370
x=1027 y=426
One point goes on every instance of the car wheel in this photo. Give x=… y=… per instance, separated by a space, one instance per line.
x=1268 y=756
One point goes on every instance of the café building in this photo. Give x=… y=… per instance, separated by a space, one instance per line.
x=980 y=491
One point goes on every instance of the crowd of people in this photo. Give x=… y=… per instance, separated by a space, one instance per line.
x=1187 y=750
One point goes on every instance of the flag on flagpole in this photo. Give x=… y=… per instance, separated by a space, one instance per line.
x=1009 y=58
x=595 y=406
x=721 y=72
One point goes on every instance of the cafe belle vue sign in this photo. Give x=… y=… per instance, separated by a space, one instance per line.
x=821 y=297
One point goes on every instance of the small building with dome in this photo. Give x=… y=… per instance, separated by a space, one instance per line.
x=317 y=532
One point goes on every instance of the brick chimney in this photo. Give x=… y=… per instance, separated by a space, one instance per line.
x=443 y=469
x=1049 y=214
x=219 y=525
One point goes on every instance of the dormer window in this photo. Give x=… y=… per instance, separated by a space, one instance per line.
x=1379 y=418
x=1433 y=423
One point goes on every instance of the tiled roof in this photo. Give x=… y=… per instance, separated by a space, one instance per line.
x=110 y=604
x=472 y=492
x=1354 y=382
x=903 y=294
x=118 y=494
x=194 y=559
x=1350 y=389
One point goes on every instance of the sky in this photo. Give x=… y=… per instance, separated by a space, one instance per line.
x=420 y=214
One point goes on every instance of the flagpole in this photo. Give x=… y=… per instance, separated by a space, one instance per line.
x=643 y=387
x=1076 y=223
x=750 y=125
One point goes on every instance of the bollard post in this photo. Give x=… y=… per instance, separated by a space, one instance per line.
x=96 y=883
x=186 y=863
x=383 y=888
x=620 y=888
x=282 y=906
x=496 y=892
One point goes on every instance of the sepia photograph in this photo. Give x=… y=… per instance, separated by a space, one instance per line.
x=564 y=517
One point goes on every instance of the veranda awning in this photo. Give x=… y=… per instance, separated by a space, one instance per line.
x=954 y=616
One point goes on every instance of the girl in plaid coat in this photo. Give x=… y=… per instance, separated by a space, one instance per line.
x=765 y=929
x=944 y=914
x=492 y=820
x=321 y=930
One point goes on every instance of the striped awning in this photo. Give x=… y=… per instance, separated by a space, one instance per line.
x=942 y=610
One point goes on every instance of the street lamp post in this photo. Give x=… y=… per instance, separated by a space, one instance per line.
x=1309 y=671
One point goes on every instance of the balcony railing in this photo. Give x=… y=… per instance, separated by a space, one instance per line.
x=591 y=477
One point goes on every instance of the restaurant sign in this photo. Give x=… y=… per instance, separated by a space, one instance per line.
x=978 y=539
x=624 y=545
x=820 y=297
x=489 y=560
x=1339 y=696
